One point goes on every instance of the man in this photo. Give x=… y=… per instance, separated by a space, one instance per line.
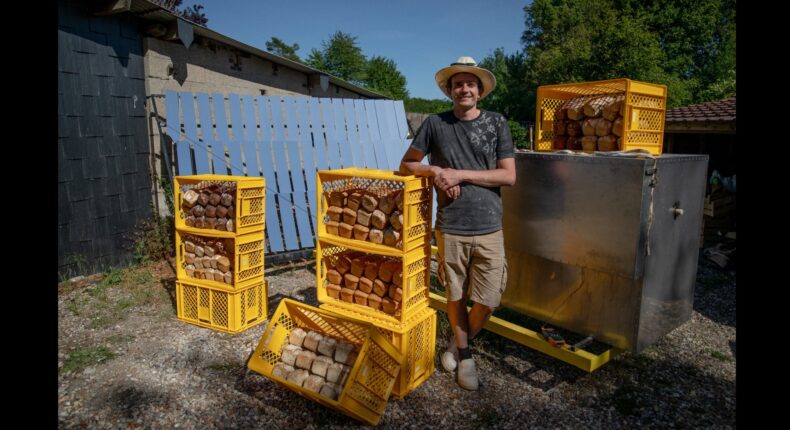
x=471 y=156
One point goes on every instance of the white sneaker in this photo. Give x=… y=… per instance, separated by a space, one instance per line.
x=467 y=374
x=450 y=356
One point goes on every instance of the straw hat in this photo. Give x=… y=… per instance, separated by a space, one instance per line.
x=466 y=65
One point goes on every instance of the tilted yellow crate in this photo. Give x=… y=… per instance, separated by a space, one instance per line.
x=414 y=267
x=643 y=111
x=412 y=194
x=245 y=212
x=415 y=339
x=230 y=312
x=370 y=381
x=244 y=259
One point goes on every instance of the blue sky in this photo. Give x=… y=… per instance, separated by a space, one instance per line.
x=420 y=36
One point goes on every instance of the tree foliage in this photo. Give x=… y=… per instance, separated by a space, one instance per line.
x=341 y=57
x=193 y=14
x=420 y=105
x=279 y=47
x=382 y=76
x=687 y=45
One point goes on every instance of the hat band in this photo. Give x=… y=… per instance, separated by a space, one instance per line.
x=464 y=64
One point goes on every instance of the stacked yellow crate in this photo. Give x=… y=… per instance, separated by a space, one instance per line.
x=373 y=260
x=219 y=251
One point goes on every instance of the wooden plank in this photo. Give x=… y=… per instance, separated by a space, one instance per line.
x=295 y=154
x=248 y=135
x=364 y=134
x=385 y=113
x=357 y=151
x=332 y=142
x=400 y=117
x=307 y=142
x=264 y=147
x=173 y=129
x=190 y=131
x=283 y=180
x=223 y=137
x=317 y=129
x=346 y=154
x=375 y=136
x=216 y=149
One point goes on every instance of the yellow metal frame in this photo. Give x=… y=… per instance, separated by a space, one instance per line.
x=582 y=359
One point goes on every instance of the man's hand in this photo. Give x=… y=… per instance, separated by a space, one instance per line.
x=454 y=192
x=447 y=178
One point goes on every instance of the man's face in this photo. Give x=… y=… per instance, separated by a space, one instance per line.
x=464 y=90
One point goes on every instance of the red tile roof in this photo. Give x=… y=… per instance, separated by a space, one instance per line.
x=718 y=111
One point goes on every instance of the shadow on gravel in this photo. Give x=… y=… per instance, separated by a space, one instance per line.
x=714 y=293
x=131 y=401
x=665 y=394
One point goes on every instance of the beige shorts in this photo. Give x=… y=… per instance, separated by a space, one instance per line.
x=473 y=266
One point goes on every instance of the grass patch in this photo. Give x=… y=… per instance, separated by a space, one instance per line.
x=82 y=358
x=120 y=338
x=718 y=355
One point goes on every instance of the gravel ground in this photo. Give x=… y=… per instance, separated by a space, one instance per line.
x=125 y=361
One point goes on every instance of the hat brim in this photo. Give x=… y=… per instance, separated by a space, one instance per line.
x=486 y=77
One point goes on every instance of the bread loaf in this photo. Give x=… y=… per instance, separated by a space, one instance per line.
x=575 y=108
x=399 y=199
x=347 y=295
x=397 y=276
x=334 y=276
x=228 y=278
x=603 y=127
x=374 y=301
x=360 y=297
x=573 y=128
x=336 y=198
x=375 y=235
x=391 y=236
x=358 y=265
x=289 y=354
x=594 y=107
x=589 y=143
x=282 y=370
x=388 y=305
x=345 y=230
x=327 y=346
x=612 y=109
x=607 y=143
x=370 y=202
x=588 y=126
x=342 y=349
x=365 y=285
x=354 y=200
x=199 y=251
x=190 y=270
x=214 y=199
x=395 y=293
x=333 y=290
x=313 y=383
x=396 y=219
x=311 y=340
x=211 y=211
x=387 y=204
x=320 y=365
x=559 y=127
x=223 y=263
x=363 y=217
x=203 y=198
x=386 y=269
x=338 y=372
x=189 y=257
x=350 y=281
x=298 y=376
x=189 y=246
x=361 y=232
x=190 y=197
x=573 y=143
x=330 y=391
x=296 y=337
x=372 y=268
x=304 y=359
x=617 y=127
x=378 y=219
x=380 y=288
x=335 y=213
x=343 y=264
x=222 y=211
x=349 y=216
x=558 y=142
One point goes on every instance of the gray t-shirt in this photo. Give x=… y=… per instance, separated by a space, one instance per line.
x=467 y=145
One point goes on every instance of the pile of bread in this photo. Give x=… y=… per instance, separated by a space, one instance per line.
x=209 y=205
x=368 y=280
x=366 y=215
x=590 y=123
x=316 y=362
x=207 y=258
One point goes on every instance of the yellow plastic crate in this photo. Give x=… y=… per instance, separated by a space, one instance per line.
x=249 y=203
x=367 y=390
x=221 y=310
x=643 y=118
x=246 y=258
x=415 y=339
x=415 y=267
x=417 y=191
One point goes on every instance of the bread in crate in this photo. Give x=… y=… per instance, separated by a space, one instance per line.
x=223 y=262
x=381 y=209
x=220 y=203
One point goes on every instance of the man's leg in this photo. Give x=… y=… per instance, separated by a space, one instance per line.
x=453 y=259
x=478 y=317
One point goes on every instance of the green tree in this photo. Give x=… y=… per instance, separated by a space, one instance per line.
x=420 y=105
x=340 y=57
x=277 y=46
x=382 y=76
x=511 y=90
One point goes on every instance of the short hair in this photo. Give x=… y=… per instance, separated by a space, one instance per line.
x=449 y=84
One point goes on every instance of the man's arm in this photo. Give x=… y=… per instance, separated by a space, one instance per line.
x=504 y=174
x=411 y=164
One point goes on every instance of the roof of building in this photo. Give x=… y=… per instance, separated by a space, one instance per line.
x=148 y=10
x=716 y=111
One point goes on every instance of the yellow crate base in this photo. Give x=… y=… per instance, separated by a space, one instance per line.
x=217 y=309
x=367 y=390
x=415 y=339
